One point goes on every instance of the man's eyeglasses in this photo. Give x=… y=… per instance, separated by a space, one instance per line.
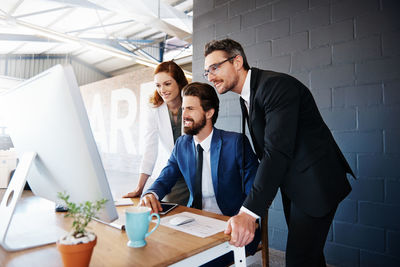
x=213 y=69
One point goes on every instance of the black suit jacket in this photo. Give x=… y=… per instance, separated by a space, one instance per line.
x=296 y=149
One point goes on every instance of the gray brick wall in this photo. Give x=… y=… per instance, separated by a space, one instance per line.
x=348 y=53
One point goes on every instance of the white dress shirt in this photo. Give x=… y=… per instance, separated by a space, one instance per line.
x=209 y=202
x=245 y=94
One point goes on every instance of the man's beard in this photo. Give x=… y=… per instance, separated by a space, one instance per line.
x=228 y=86
x=196 y=127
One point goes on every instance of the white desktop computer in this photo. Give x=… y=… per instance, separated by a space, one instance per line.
x=50 y=130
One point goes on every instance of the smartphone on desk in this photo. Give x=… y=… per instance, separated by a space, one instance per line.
x=167 y=207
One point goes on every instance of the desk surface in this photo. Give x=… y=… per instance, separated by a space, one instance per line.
x=164 y=247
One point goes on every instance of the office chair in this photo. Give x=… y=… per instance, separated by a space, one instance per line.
x=263 y=246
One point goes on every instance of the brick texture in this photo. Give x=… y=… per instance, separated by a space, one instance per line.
x=369 y=258
x=227 y=26
x=292 y=43
x=339 y=255
x=368 y=190
x=333 y=33
x=310 y=19
x=340 y=119
x=347 y=211
x=357 y=50
x=391 y=43
x=379 y=117
x=238 y=7
x=393 y=243
x=280 y=64
x=324 y=97
x=349 y=9
x=355 y=141
x=392 y=141
x=392 y=93
x=348 y=53
x=311 y=59
x=288 y=8
x=256 y=17
x=385 y=70
x=273 y=30
x=360 y=236
x=380 y=215
x=333 y=76
x=358 y=96
x=378 y=165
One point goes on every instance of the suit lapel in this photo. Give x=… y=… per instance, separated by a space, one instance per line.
x=215 y=151
x=253 y=88
x=251 y=115
x=191 y=162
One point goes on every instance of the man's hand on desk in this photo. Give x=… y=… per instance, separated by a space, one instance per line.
x=150 y=200
x=241 y=228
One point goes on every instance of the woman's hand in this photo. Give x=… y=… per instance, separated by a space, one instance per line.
x=135 y=193
x=139 y=188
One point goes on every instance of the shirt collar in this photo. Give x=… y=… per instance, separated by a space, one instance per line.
x=206 y=143
x=245 y=94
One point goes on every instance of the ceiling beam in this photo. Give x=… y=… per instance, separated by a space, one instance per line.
x=42 y=12
x=153 y=13
x=14 y=8
x=62 y=37
x=35 y=38
x=102 y=26
x=79 y=3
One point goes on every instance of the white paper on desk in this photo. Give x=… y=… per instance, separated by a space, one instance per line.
x=118 y=223
x=202 y=226
x=123 y=202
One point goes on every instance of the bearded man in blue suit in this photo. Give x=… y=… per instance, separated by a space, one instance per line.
x=226 y=179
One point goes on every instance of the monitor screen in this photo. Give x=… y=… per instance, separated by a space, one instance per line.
x=46 y=115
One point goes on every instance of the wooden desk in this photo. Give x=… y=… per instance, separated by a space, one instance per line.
x=164 y=247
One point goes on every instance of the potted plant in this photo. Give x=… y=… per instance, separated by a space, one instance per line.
x=77 y=246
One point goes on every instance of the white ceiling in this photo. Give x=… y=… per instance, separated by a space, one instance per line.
x=109 y=35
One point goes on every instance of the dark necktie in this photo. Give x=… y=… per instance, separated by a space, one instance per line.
x=197 y=199
x=245 y=116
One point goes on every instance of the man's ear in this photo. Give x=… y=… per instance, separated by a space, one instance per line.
x=238 y=62
x=210 y=113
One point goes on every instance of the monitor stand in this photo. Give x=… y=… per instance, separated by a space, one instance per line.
x=25 y=228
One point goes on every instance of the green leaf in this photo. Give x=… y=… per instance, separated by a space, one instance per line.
x=81 y=213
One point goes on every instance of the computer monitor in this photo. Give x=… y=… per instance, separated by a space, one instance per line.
x=50 y=129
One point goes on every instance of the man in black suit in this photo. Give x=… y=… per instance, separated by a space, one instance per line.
x=296 y=150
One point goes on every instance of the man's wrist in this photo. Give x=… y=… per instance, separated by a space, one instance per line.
x=150 y=192
x=249 y=212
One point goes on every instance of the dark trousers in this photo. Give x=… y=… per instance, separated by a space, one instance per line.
x=306 y=236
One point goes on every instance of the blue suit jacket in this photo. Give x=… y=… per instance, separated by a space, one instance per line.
x=226 y=169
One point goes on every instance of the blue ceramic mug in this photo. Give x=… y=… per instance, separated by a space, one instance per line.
x=137 y=225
